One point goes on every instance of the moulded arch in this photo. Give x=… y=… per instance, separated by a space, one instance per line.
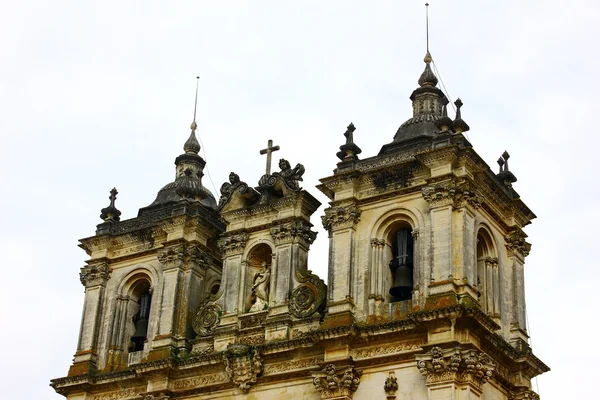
x=253 y=243
x=391 y=218
x=486 y=243
x=130 y=281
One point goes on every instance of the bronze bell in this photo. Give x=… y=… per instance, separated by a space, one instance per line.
x=141 y=329
x=403 y=282
x=401 y=266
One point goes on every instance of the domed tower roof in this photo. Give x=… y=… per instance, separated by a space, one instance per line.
x=428 y=103
x=188 y=178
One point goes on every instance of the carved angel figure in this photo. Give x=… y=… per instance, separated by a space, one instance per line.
x=289 y=175
x=228 y=187
x=260 y=289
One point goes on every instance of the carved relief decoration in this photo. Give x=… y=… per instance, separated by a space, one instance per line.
x=456 y=364
x=340 y=217
x=201 y=380
x=171 y=256
x=309 y=297
x=336 y=382
x=516 y=243
x=94 y=274
x=243 y=364
x=391 y=386
x=371 y=352
x=292 y=365
x=291 y=230
x=233 y=244
x=458 y=194
x=206 y=319
x=156 y=397
x=121 y=394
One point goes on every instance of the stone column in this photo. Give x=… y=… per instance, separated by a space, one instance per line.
x=117 y=333
x=232 y=246
x=377 y=289
x=340 y=222
x=517 y=249
x=496 y=289
x=94 y=278
x=165 y=341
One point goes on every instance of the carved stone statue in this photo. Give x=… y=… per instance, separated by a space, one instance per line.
x=260 y=288
x=227 y=188
x=289 y=175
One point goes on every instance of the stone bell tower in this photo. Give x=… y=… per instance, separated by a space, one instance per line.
x=426 y=233
x=146 y=275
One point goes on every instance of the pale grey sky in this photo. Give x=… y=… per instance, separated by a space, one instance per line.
x=100 y=94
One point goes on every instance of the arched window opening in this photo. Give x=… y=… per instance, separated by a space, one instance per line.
x=488 y=284
x=402 y=264
x=141 y=317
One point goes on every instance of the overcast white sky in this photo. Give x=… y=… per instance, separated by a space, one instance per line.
x=100 y=94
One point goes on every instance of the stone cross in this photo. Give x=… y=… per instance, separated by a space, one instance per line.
x=113 y=196
x=270 y=149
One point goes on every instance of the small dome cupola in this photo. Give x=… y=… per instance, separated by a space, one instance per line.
x=428 y=107
x=189 y=170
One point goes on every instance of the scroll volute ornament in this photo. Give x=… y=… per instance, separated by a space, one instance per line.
x=95 y=274
x=206 y=319
x=456 y=364
x=337 y=382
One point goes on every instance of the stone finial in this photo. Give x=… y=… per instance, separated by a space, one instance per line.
x=444 y=124
x=110 y=213
x=507 y=177
x=428 y=78
x=459 y=124
x=349 y=151
x=192 y=146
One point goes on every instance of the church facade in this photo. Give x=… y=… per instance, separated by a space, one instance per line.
x=203 y=299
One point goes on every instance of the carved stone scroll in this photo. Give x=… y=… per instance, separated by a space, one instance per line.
x=337 y=382
x=94 y=274
x=206 y=319
x=233 y=244
x=340 y=217
x=456 y=364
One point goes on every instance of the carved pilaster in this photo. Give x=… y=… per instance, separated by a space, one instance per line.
x=456 y=364
x=234 y=244
x=293 y=230
x=340 y=217
x=391 y=386
x=243 y=365
x=95 y=274
x=337 y=382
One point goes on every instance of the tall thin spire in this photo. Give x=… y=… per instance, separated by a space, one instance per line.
x=192 y=146
x=427 y=24
x=195 y=104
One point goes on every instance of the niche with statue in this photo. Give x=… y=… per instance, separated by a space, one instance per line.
x=258 y=278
